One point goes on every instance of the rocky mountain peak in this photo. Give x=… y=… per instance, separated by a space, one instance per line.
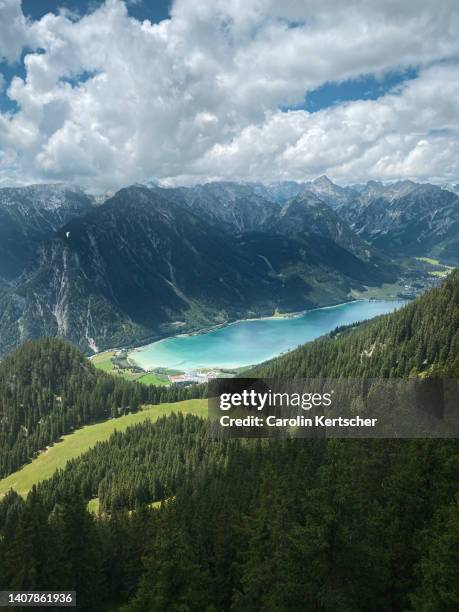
x=323 y=182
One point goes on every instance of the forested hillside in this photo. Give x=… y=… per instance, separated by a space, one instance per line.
x=48 y=388
x=317 y=525
x=287 y=525
x=147 y=463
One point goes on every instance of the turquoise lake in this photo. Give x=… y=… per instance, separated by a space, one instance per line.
x=253 y=341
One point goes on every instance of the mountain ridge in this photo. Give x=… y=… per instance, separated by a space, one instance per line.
x=140 y=267
x=151 y=261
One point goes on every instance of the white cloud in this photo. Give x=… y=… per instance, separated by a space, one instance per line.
x=13 y=30
x=109 y=100
x=409 y=134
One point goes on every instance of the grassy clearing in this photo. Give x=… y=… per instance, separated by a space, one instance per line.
x=387 y=291
x=429 y=260
x=127 y=373
x=153 y=379
x=104 y=361
x=439 y=272
x=94 y=504
x=74 y=444
x=442 y=269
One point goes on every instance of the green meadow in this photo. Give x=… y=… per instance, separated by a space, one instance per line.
x=442 y=269
x=429 y=260
x=105 y=361
x=152 y=378
x=74 y=444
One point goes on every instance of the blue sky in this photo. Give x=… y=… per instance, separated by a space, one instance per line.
x=367 y=87
x=154 y=10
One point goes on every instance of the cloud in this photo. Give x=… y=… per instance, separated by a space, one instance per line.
x=13 y=30
x=109 y=100
x=389 y=138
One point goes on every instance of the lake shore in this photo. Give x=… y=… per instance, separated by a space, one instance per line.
x=252 y=347
x=280 y=317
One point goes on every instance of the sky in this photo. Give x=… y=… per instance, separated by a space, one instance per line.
x=106 y=94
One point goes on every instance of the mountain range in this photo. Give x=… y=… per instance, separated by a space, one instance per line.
x=407 y=219
x=404 y=218
x=151 y=261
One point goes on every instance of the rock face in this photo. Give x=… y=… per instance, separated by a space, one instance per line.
x=31 y=214
x=402 y=219
x=141 y=266
x=279 y=192
x=330 y=193
x=335 y=196
x=308 y=214
x=230 y=206
x=407 y=219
